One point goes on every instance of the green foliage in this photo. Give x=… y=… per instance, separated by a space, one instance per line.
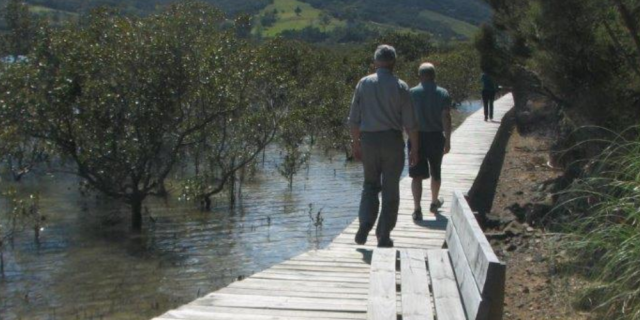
x=457 y=71
x=145 y=7
x=21 y=29
x=316 y=218
x=600 y=211
x=582 y=54
x=293 y=160
x=124 y=97
x=19 y=214
x=409 y=46
x=229 y=144
x=20 y=152
x=269 y=18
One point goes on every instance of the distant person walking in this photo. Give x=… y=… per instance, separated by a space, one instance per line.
x=381 y=108
x=432 y=106
x=489 y=89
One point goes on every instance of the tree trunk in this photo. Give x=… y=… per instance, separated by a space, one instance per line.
x=2 y=263
x=36 y=233
x=197 y=163
x=347 y=154
x=17 y=177
x=633 y=64
x=207 y=203
x=240 y=183
x=629 y=23
x=136 y=215
x=232 y=191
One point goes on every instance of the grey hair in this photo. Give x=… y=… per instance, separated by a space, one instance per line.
x=385 y=53
x=427 y=70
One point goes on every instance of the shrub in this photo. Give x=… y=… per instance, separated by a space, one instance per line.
x=603 y=220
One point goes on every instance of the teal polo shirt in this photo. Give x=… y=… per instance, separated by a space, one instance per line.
x=487 y=83
x=429 y=101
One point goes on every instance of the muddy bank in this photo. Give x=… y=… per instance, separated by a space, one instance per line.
x=513 y=195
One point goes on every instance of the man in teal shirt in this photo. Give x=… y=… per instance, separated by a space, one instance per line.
x=432 y=105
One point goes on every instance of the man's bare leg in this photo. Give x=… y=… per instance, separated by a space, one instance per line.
x=416 y=189
x=435 y=192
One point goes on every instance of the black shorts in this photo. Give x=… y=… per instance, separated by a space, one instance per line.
x=431 y=153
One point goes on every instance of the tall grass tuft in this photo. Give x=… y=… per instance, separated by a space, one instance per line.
x=602 y=216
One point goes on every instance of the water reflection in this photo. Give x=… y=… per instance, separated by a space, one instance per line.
x=88 y=266
x=470 y=106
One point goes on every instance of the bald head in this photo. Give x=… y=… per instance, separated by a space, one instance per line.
x=427 y=72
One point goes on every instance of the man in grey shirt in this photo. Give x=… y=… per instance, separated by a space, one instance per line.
x=381 y=108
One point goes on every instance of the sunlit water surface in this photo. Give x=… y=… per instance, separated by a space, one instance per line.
x=89 y=266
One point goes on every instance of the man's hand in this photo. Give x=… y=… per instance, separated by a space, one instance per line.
x=356 y=150
x=413 y=157
x=446 y=121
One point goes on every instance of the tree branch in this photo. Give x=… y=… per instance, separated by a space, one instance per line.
x=630 y=24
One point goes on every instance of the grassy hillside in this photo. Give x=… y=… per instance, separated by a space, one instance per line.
x=288 y=19
x=53 y=15
x=458 y=26
x=405 y=13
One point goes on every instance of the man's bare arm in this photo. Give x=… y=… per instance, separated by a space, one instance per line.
x=414 y=138
x=446 y=121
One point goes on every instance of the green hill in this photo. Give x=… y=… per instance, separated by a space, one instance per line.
x=460 y=27
x=53 y=15
x=448 y=20
x=288 y=19
x=281 y=16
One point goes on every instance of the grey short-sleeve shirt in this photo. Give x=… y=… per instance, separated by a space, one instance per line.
x=382 y=102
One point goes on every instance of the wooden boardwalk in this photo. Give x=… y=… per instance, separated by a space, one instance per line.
x=333 y=283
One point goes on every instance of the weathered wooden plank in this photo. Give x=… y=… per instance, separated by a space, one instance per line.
x=382 y=287
x=357 y=272
x=277 y=276
x=338 y=263
x=197 y=315
x=472 y=239
x=309 y=293
x=302 y=285
x=488 y=271
x=275 y=302
x=469 y=291
x=416 y=297
x=446 y=296
x=276 y=312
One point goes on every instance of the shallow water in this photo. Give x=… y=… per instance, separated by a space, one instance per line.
x=89 y=266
